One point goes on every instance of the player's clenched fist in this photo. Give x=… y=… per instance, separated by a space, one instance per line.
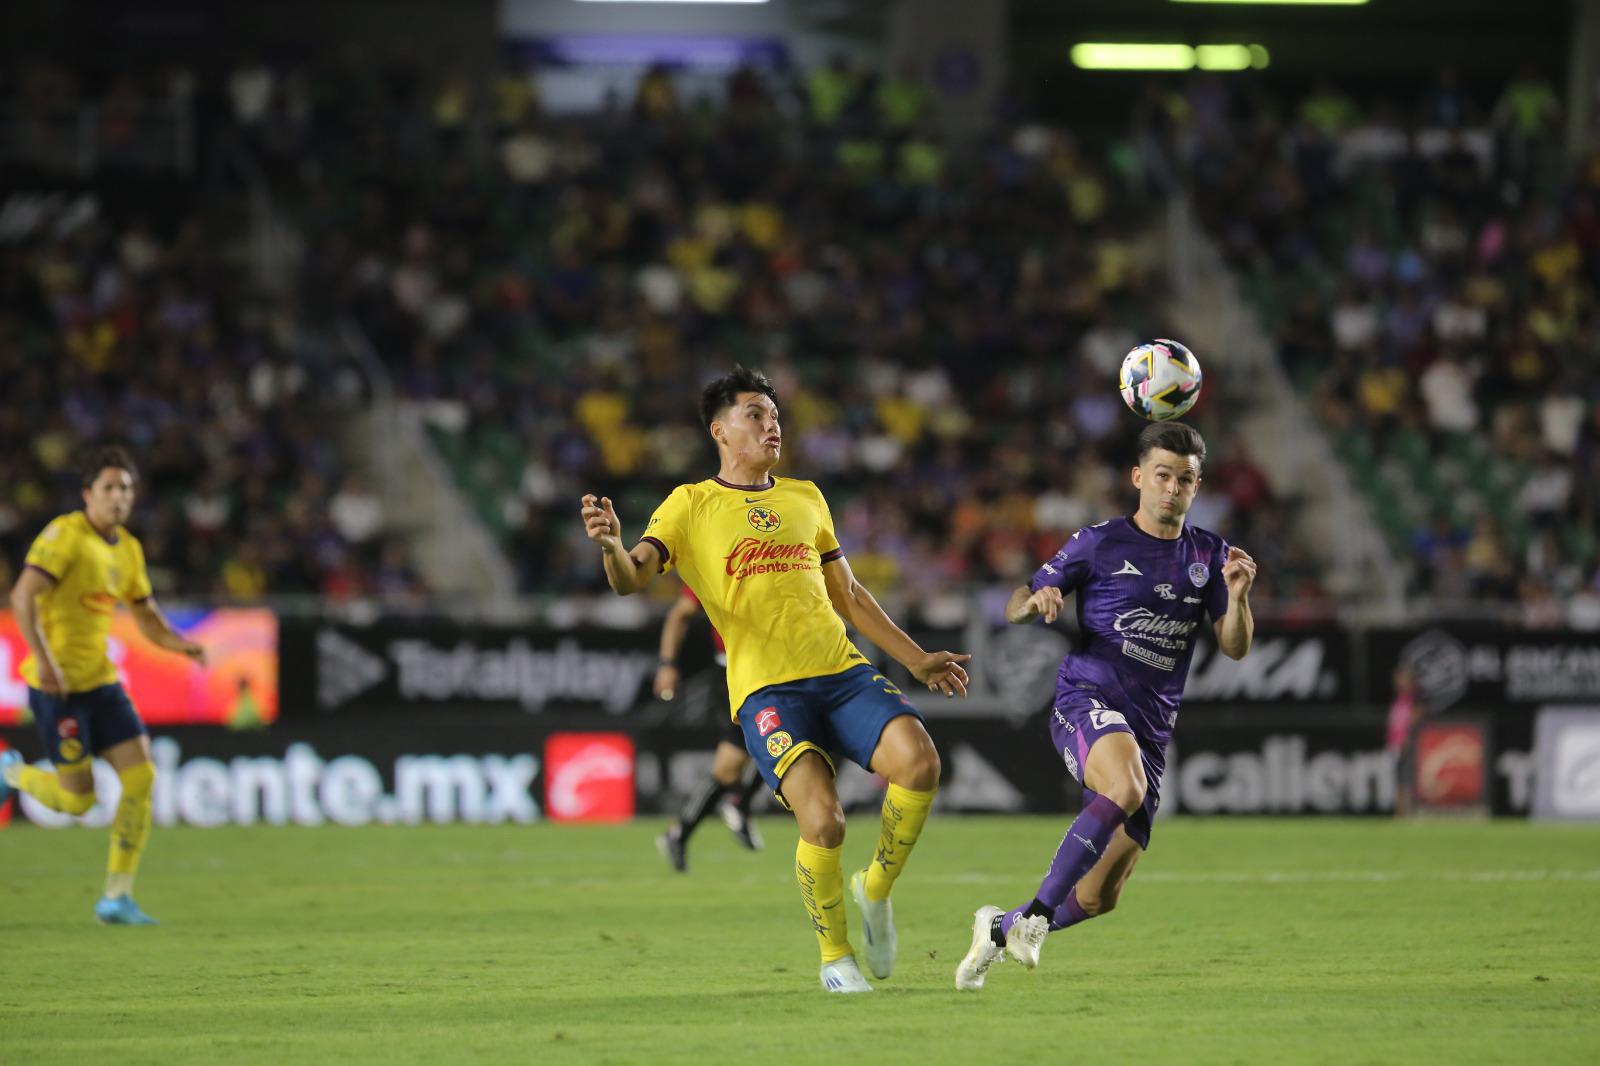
x=600 y=522
x=1046 y=603
x=1239 y=572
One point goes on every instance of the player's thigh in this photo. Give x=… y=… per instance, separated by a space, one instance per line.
x=808 y=790
x=727 y=762
x=877 y=727
x=1098 y=889
x=1114 y=768
x=905 y=754
x=779 y=725
x=126 y=753
x=119 y=734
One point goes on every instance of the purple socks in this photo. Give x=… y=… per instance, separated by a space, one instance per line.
x=1082 y=847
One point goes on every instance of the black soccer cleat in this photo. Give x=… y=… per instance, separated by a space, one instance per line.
x=741 y=825
x=670 y=844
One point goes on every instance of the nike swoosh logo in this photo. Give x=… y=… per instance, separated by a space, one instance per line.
x=1086 y=842
x=749 y=500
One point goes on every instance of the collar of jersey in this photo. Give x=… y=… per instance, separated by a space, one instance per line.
x=112 y=540
x=772 y=483
x=1151 y=536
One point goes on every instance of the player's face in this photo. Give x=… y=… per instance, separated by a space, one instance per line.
x=1167 y=483
x=749 y=430
x=109 y=499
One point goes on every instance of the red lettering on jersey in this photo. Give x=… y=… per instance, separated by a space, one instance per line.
x=98 y=602
x=752 y=550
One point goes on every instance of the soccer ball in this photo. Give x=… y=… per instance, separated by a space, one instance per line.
x=1160 y=380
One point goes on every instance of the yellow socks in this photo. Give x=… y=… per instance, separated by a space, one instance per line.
x=130 y=829
x=822 y=891
x=45 y=786
x=904 y=813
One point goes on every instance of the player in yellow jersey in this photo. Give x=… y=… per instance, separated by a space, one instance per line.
x=80 y=567
x=761 y=554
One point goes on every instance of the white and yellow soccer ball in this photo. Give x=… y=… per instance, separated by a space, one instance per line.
x=1159 y=380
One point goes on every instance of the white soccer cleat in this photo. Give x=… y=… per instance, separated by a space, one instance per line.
x=1026 y=937
x=877 y=919
x=843 y=975
x=983 y=953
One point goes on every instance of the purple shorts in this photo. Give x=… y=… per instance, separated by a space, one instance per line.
x=1078 y=720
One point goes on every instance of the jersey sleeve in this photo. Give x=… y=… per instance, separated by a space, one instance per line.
x=1217 y=589
x=53 y=549
x=827 y=544
x=137 y=585
x=1069 y=567
x=668 y=527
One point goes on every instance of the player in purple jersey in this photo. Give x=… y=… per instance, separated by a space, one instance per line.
x=1145 y=585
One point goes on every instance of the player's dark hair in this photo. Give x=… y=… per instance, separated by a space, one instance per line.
x=1174 y=437
x=720 y=394
x=98 y=458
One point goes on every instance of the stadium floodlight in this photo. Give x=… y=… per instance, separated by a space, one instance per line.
x=1230 y=56
x=1103 y=55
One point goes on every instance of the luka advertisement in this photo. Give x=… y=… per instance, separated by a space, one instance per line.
x=238 y=686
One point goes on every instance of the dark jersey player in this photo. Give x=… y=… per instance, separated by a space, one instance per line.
x=732 y=773
x=1146 y=583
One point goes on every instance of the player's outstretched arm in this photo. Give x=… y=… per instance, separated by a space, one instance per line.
x=627 y=572
x=1237 y=627
x=158 y=631
x=941 y=671
x=25 y=594
x=1028 y=606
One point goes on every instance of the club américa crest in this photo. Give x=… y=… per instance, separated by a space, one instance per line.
x=764 y=519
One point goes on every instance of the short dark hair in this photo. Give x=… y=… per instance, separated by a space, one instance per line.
x=721 y=393
x=98 y=458
x=1174 y=437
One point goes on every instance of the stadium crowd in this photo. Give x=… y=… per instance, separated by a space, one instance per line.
x=943 y=323
x=1430 y=270
x=113 y=329
x=943 y=327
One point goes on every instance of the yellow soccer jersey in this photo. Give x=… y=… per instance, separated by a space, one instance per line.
x=754 y=557
x=92 y=574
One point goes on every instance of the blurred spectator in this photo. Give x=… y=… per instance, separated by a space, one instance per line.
x=356 y=513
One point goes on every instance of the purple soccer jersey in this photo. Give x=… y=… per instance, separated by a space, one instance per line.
x=1141 y=601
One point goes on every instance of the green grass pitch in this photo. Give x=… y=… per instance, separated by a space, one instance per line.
x=1291 y=941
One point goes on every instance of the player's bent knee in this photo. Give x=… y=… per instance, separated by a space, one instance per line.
x=821 y=823
x=1103 y=902
x=1127 y=793
x=922 y=775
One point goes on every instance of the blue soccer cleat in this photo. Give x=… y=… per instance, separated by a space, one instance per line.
x=121 y=910
x=9 y=758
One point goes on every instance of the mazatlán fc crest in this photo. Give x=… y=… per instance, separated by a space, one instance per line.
x=764 y=519
x=1199 y=573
